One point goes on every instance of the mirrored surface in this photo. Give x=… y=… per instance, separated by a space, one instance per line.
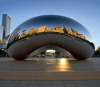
x=54 y=25
x=50 y=23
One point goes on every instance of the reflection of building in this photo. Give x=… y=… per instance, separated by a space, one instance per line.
x=1 y=32
x=81 y=36
x=75 y=31
x=14 y=35
x=35 y=31
x=67 y=30
x=41 y=29
x=59 y=29
x=22 y=34
x=31 y=31
x=6 y=23
x=17 y=36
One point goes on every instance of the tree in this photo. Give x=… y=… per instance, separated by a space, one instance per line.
x=57 y=52
x=2 y=52
x=43 y=53
x=97 y=52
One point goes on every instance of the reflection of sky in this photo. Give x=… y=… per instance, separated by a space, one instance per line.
x=54 y=21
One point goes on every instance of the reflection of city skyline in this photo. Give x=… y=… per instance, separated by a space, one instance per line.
x=42 y=29
x=17 y=35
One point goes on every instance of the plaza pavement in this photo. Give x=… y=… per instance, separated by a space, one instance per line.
x=50 y=64
x=82 y=83
x=9 y=66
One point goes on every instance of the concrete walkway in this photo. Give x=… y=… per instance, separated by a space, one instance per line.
x=50 y=65
x=88 y=83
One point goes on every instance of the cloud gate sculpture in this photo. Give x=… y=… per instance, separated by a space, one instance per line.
x=50 y=31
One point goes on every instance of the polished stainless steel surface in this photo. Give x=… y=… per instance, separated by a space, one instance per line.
x=50 y=30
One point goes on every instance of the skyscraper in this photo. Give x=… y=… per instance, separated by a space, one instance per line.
x=1 y=32
x=6 y=23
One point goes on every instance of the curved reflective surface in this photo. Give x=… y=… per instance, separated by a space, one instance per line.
x=53 y=25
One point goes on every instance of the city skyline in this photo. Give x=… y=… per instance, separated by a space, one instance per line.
x=85 y=12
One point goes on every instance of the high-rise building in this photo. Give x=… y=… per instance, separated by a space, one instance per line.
x=1 y=32
x=6 y=23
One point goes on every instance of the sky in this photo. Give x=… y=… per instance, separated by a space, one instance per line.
x=86 y=12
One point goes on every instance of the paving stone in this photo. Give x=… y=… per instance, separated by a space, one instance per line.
x=45 y=85
x=57 y=82
x=46 y=82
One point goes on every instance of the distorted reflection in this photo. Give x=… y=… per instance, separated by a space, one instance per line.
x=64 y=65
x=18 y=35
x=42 y=29
x=63 y=62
